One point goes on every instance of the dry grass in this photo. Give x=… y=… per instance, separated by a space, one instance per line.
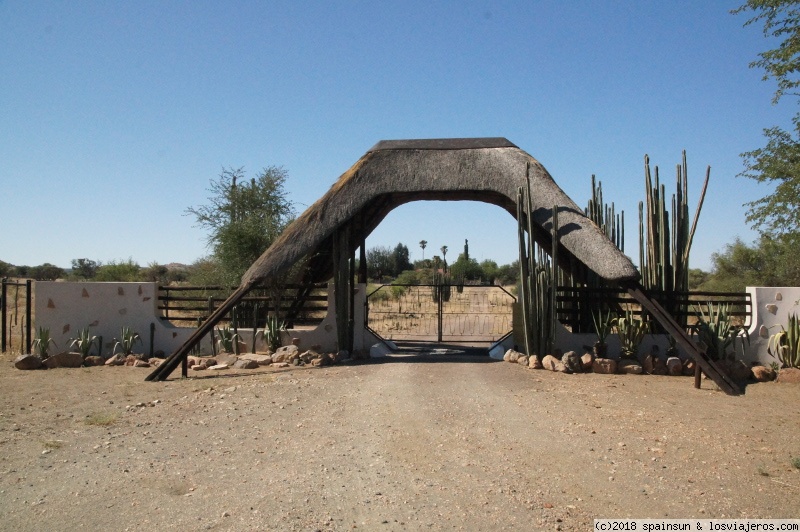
x=101 y=419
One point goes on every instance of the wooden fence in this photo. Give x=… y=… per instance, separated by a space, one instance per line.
x=297 y=305
x=575 y=305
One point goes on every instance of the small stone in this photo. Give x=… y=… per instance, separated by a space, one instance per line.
x=534 y=362
x=523 y=360
x=674 y=366
x=198 y=367
x=763 y=374
x=245 y=364
x=116 y=360
x=93 y=360
x=572 y=361
x=219 y=366
x=630 y=367
x=604 y=366
x=587 y=360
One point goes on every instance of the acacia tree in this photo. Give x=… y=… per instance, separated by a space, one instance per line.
x=779 y=161
x=243 y=218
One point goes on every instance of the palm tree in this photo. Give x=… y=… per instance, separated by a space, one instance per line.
x=444 y=257
x=423 y=244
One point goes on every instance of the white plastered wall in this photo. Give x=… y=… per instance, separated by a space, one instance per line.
x=105 y=308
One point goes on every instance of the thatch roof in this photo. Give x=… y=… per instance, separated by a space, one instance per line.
x=396 y=172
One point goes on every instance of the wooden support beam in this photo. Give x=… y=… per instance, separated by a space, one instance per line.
x=683 y=339
x=179 y=356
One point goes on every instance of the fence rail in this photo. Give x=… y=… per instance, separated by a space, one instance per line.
x=298 y=305
x=575 y=305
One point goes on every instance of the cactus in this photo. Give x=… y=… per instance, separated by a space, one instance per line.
x=663 y=245
x=538 y=279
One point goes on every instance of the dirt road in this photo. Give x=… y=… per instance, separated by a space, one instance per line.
x=401 y=443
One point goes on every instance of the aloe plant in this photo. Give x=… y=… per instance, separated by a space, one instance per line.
x=785 y=345
x=227 y=339
x=631 y=330
x=84 y=342
x=42 y=342
x=603 y=324
x=717 y=332
x=128 y=338
x=272 y=332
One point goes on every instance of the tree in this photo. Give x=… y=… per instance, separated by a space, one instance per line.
x=122 y=271
x=243 y=219
x=423 y=244
x=779 y=161
x=400 y=262
x=84 y=268
x=490 y=270
x=380 y=263
x=768 y=262
x=444 y=257
x=5 y=269
x=46 y=272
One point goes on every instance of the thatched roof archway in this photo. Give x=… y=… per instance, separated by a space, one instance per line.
x=396 y=172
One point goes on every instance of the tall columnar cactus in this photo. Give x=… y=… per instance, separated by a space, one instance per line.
x=538 y=279
x=664 y=245
x=605 y=216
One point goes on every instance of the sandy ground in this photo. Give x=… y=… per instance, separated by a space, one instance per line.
x=431 y=442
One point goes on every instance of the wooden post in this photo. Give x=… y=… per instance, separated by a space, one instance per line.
x=28 y=298
x=3 y=316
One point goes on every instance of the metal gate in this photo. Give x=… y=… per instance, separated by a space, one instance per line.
x=440 y=313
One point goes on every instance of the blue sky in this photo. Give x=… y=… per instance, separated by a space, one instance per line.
x=116 y=115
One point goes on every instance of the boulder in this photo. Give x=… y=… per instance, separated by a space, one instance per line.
x=245 y=364
x=553 y=364
x=629 y=366
x=285 y=353
x=64 y=360
x=587 y=361
x=224 y=358
x=674 y=366
x=572 y=361
x=605 y=366
x=763 y=374
x=218 y=367
x=139 y=363
x=789 y=376
x=156 y=361
x=511 y=356
x=308 y=356
x=93 y=360
x=735 y=369
x=534 y=362
x=660 y=367
x=130 y=360
x=116 y=360
x=198 y=367
x=28 y=361
x=522 y=360
x=261 y=360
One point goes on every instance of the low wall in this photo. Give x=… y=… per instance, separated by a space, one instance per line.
x=771 y=308
x=65 y=308
x=105 y=308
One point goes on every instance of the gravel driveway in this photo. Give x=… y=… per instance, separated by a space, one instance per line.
x=439 y=442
